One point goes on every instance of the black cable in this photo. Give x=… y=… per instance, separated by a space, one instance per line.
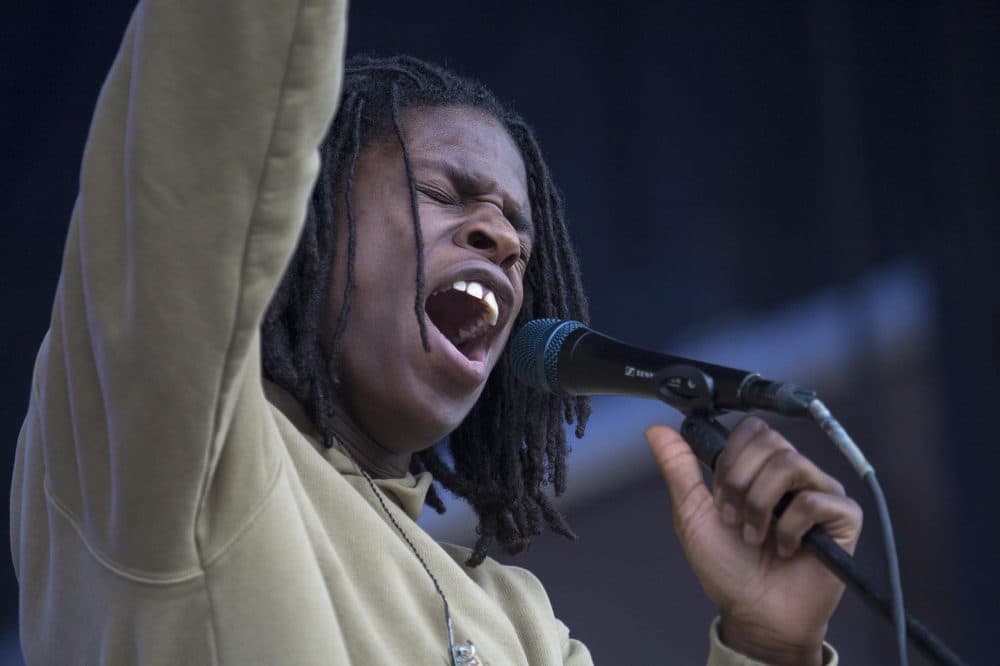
x=845 y=444
x=892 y=562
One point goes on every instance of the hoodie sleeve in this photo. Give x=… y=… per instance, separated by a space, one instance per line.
x=197 y=170
x=719 y=654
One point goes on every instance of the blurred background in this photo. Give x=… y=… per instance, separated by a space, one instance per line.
x=809 y=190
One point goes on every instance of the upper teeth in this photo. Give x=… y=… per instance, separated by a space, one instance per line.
x=477 y=290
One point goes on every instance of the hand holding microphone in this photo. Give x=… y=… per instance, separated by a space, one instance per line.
x=774 y=601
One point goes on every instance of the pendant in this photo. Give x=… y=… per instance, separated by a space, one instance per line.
x=465 y=655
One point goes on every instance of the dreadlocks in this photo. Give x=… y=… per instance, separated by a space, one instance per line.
x=512 y=442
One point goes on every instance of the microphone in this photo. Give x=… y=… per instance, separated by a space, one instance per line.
x=567 y=358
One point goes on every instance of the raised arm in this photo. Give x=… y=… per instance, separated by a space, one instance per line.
x=195 y=179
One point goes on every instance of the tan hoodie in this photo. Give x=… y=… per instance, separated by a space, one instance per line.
x=168 y=507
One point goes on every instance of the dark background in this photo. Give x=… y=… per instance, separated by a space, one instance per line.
x=717 y=158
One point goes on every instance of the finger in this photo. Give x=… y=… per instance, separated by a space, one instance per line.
x=735 y=472
x=680 y=470
x=838 y=515
x=786 y=471
x=739 y=437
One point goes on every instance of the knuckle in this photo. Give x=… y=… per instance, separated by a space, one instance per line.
x=809 y=502
x=855 y=511
x=754 y=508
x=755 y=424
x=781 y=469
x=776 y=440
x=788 y=459
x=750 y=430
x=735 y=485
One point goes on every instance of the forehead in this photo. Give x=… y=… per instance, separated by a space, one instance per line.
x=470 y=141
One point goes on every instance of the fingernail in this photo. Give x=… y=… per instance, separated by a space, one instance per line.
x=729 y=515
x=750 y=534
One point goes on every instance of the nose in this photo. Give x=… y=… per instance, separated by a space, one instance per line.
x=491 y=236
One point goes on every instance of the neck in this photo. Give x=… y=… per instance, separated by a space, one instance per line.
x=379 y=461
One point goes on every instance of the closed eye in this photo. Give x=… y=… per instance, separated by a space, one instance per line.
x=437 y=195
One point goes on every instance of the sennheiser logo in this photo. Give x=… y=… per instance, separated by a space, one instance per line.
x=631 y=371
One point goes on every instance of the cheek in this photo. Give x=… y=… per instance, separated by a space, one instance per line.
x=384 y=251
x=381 y=297
x=522 y=301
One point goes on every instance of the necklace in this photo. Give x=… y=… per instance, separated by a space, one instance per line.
x=461 y=655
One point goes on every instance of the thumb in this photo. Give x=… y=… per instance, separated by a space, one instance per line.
x=680 y=470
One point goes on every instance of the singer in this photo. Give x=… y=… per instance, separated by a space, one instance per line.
x=265 y=322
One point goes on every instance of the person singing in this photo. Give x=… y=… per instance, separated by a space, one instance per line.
x=263 y=325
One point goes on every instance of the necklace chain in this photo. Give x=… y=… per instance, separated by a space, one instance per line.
x=460 y=654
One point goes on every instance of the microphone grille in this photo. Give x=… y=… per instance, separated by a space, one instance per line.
x=535 y=352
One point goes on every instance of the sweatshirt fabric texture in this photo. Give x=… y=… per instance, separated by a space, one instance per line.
x=168 y=505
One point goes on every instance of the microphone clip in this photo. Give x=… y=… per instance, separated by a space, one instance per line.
x=688 y=389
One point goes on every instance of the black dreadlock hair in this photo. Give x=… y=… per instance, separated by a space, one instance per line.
x=512 y=442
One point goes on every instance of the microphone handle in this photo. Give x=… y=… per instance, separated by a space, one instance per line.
x=707 y=437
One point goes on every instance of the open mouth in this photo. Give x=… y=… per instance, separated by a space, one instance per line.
x=466 y=314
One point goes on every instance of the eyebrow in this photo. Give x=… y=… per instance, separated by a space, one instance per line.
x=471 y=182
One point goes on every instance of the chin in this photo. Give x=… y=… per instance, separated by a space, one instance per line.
x=414 y=424
x=419 y=407
x=440 y=420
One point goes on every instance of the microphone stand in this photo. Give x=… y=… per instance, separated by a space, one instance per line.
x=690 y=387
x=707 y=438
